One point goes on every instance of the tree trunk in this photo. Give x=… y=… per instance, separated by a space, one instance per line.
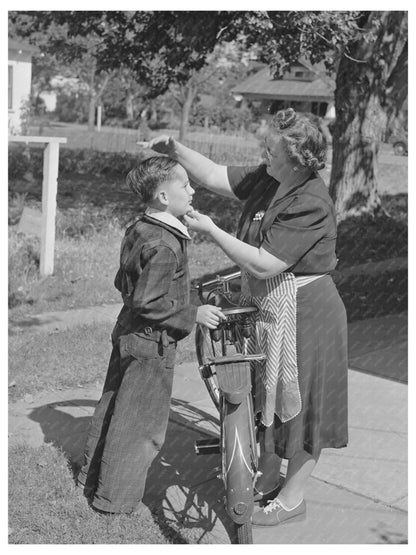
x=129 y=105
x=360 y=124
x=91 y=111
x=357 y=136
x=190 y=92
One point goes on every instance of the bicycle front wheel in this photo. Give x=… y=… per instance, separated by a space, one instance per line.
x=207 y=349
x=244 y=533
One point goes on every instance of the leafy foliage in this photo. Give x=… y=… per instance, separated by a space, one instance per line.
x=224 y=117
x=78 y=161
x=23 y=265
x=171 y=43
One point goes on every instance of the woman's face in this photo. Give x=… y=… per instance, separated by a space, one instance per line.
x=277 y=161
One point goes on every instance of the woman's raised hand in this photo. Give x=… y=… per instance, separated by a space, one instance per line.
x=163 y=144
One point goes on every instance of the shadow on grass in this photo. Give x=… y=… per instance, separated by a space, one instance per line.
x=182 y=489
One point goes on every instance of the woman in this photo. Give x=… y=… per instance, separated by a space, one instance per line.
x=285 y=246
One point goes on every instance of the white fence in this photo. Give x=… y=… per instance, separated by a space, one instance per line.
x=49 y=190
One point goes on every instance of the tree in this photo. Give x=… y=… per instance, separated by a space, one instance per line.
x=173 y=50
x=371 y=87
x=219 y=69
x=368 y=53
x=73 y=43
x=159 y=48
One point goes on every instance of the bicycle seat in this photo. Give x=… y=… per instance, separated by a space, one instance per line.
x=239 y=357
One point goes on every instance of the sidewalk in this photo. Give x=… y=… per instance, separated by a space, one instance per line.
x=357 y=495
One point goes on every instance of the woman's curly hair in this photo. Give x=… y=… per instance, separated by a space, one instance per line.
x=303 y=137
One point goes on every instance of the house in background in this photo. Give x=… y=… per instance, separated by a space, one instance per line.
x=20 y=77
x=304 y=88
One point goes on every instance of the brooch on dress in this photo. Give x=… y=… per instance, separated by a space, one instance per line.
x=258 y=216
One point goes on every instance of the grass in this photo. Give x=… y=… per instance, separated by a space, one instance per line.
x=83 y=276
x=372 y=296
x=45 y=507
x=84 y=272
x=366 y=239
x=48 y=361
x=65 y=359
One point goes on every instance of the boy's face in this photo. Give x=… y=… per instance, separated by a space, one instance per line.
x=177 y=193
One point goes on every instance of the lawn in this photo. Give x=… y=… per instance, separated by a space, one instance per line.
x=45 y=507
x=65 y=359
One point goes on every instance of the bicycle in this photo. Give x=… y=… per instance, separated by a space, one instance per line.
x=226 y=369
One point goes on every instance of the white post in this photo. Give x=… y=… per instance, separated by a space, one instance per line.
x=99 y=117
x=49 y=189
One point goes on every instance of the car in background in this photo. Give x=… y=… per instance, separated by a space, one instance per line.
x=400 y=143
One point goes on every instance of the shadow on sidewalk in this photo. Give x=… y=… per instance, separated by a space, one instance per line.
x=65 y=424
x=182 y=488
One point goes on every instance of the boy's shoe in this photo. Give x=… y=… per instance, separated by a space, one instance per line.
x=275 y=513
x=86 y=490
x=141 y=510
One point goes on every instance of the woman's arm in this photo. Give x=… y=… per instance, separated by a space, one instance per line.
x=257 y=262
x=202 y=170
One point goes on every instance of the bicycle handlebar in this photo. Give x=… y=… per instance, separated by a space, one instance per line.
x=219 y=279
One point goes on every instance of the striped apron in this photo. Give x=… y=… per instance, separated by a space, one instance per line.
x=277 y=390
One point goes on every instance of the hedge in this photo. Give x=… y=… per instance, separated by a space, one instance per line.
x=23 y=159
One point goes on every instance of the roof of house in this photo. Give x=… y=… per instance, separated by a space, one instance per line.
x=262 y=85
x=15 y=44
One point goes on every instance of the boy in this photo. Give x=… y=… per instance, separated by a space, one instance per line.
x=129 y=423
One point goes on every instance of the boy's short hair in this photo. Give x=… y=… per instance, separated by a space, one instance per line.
x=145 y=178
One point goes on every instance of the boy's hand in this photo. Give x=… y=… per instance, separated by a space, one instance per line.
x=163 y=144
x=209 y=315
x=198 y=222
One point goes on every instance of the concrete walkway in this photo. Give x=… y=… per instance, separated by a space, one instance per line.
x=357 y=495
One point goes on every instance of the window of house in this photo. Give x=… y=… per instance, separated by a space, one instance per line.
x=10 y=87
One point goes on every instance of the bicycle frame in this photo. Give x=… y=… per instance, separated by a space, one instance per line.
x=229 y=382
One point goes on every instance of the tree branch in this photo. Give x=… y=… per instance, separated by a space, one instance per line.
x=354 y=59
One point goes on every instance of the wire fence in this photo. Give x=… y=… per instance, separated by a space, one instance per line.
x=231 y=149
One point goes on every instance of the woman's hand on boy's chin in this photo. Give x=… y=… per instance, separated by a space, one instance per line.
x=198 y=222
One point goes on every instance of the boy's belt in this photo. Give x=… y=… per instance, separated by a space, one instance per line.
x=144 y=329
x=154 y=335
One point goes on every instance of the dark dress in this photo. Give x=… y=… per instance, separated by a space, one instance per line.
x=299 y=227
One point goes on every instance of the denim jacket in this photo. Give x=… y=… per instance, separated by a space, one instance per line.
x=154 y=281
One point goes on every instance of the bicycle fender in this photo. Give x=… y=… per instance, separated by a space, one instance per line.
x=239 y=460
x=234 y=380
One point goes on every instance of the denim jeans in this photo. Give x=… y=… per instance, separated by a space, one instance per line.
x=129 y=423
